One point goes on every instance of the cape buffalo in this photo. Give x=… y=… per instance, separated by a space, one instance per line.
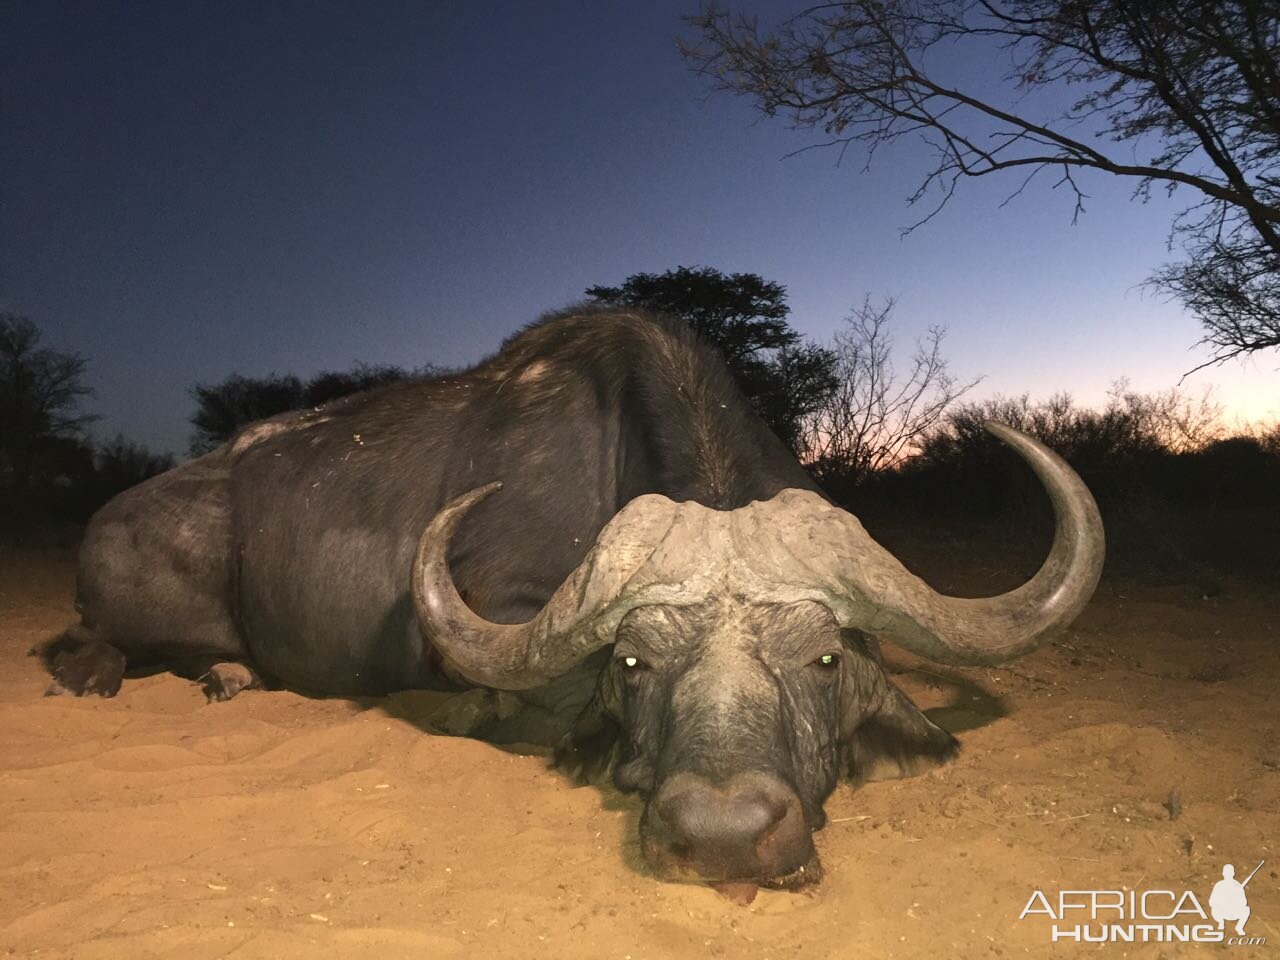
x=657 y=575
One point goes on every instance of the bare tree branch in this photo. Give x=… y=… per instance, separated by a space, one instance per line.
x=1185 y=95
x=40 y=390
x=875 y=417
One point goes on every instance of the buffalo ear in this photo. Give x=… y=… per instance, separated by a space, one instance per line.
x=898 y=741
x=589 y=750
x=883 y=734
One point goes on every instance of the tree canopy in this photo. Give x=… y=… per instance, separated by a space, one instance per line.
x=223 y=408
x=1177 y=96
x=40 y=393
x=743 y=316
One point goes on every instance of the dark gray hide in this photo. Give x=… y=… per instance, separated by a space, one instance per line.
x=286 y=555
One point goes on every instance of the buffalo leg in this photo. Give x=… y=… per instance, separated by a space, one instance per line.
x=220 y=678
x=81 y=667
x=226 y=679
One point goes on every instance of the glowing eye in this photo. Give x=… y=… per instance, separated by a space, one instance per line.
x=828 y=660
x=631 y=662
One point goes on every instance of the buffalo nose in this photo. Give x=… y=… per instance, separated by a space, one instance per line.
x=703 y=819
x=751 y=827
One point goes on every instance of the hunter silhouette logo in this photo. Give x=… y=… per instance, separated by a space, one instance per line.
x=1148 y=916
x=1228 y=900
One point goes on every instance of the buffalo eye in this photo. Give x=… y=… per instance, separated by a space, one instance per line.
x=630 y=663
x=828 y=661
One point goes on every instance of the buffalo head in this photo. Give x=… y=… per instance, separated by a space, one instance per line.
x=743 y=655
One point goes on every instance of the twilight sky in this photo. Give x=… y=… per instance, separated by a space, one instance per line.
x=193 y=189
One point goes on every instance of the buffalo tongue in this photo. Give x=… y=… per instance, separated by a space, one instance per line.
x=740 y=892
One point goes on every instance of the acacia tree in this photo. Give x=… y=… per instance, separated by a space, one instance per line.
x=223 y=408
x=876 y=415
x=40 y=392
x=743 y=316
x=120 y=463
x=1178 y=96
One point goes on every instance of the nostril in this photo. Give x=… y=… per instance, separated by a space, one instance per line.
x=767 y=837
x=671 y=812
x=681 y=854
x=776 y=807
x=760 y=811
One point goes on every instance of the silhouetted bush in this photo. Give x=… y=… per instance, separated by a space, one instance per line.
x=1137 y=447
x=1172 y=487
x=120 y=464
x=223 y=408
x=78 y=477
x=876 y=413
x=1235 y=471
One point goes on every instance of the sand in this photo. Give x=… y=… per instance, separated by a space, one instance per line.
x=156 y=825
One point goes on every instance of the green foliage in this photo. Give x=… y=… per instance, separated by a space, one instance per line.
x=743 y=316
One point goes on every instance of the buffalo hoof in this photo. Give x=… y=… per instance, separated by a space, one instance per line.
x=88 y=668
x=225 y=680
x=474 y=713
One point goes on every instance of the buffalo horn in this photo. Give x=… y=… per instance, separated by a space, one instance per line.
x=578 y=619
x=893 y=603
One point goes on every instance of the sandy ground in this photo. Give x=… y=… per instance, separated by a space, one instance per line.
x=156 y=825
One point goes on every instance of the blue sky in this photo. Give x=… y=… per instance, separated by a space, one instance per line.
x=191 y=190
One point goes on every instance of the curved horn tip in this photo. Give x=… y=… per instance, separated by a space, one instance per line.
x=476 y=494
x=994 y=629
x=1032 y=450
x=503 y=656
x=1001 y=430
